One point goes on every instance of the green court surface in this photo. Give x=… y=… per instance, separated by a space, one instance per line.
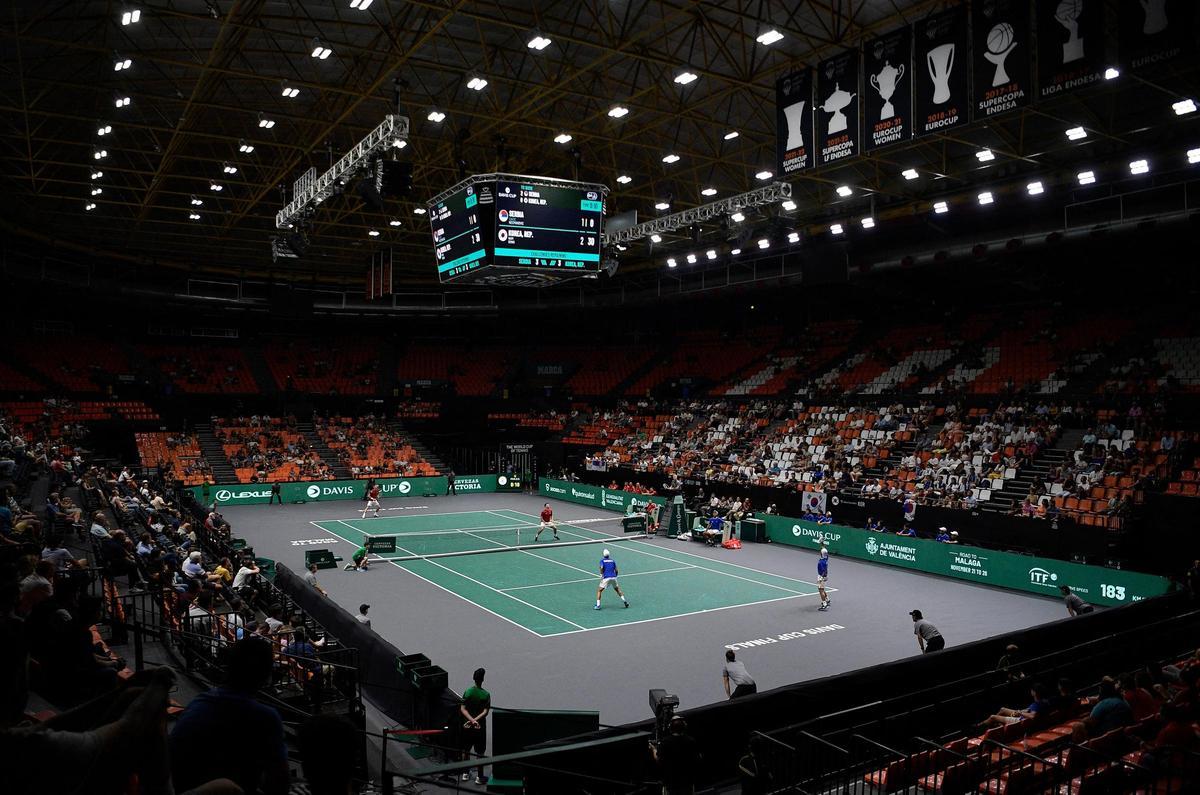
x=551 y=590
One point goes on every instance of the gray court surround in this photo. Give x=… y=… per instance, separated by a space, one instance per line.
x=611 y=669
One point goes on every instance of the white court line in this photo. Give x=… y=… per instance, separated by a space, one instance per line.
x=678 y=615
x=701 y=557
x=476 y=604
x=593 y=579
x=548 y=560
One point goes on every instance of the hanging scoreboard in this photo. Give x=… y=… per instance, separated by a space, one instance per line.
x=505 y=229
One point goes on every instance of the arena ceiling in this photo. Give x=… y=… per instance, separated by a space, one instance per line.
x=206 y=76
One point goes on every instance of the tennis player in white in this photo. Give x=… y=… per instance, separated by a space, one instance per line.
x=608 y=578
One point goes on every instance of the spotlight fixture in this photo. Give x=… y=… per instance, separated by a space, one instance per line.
x=662 y=206
x=1139 y=167
x=624 y=179
x=788 y=205
x=729 y=136
x=197 y=202
x=228 y=168
x=1035 y=188
x=319 y=50
x=562 y=138
x=793 y=237
x=845 y=191
x=99 y=154
x=764 y=243
x=436 y=116
x=1193 y=156
x=1086 y=177
x=764 y=175
x=97 y=191
x=120 y=101
x=373 y=233
x=361 y=5
x=986 y=197
x=709 y=192
x=711 y=253
x=655 y=238
x=121 y=64
x=399 y=143
x=685 y=77
x=868 y=223
x=1076 y=134
x=671 y=158
x=131 y=17
x=264 y=122
x=291 y=92
x=1112 y=73
x=89 y=206
x=477 y=83
x=941 y=207
x=985 y=155
x=97 y=174
x=691 y=259
x=909 y=174
x=394 y=222
x=769 y=37
x=538 y=42
x=735 y=251
x=104 y=129
x=194 y=216
x=216 y=187
x=671 y=263
x=419 y=211
x=1183 y=107
x=737 y=217
x=618 y=111
x=244 y=147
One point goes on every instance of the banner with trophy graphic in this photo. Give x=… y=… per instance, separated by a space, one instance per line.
x=943 y=60
x=794 y=121
x=1151 y=32
x=837 y=108
x=1070 y=36
x=887 y=86
x=1003 y=55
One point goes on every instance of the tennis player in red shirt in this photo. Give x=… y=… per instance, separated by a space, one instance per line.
x=372 y=502
x=547 y=522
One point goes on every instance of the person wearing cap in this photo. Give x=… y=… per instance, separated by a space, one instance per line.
x=362 y=616
x=943 y=536
x=928 y=637
x=608 y=578
x=1075 y=605
x=546 y=523
x=823 y=577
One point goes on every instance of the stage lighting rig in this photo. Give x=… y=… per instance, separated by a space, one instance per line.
x=310 y=190
x=768 y=194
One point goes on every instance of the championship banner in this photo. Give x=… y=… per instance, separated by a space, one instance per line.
x=1003 y=55
x=887 y=71
x=1070 y=44
x=837 y=119
x=943 y=59
x=794 y=122
x=1155 y=31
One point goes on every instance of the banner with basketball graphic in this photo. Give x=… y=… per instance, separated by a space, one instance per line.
x=1003 y=56
x=943 y=61
x=887 y=86
x=1071 y=49
x=794 y=121
x=837 y=108
x=1151 y=32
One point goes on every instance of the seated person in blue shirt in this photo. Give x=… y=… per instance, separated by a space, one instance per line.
x=713 y=533
x=907 y=531
x=873 y=524
x=943 y=536
x=809 y=516
x=826 y=518
x=1006 y=715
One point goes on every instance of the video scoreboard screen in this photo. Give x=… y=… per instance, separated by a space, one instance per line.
x=461 y=232
x=503 y=229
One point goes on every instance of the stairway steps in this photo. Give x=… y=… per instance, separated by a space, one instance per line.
x=327 y=454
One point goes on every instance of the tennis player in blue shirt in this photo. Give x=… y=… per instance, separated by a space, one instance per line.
x=608 y=577
x=823 y=577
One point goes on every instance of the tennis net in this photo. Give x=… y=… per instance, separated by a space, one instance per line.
x=451 y=543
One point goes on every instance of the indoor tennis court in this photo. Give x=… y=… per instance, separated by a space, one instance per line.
x=490 y=558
